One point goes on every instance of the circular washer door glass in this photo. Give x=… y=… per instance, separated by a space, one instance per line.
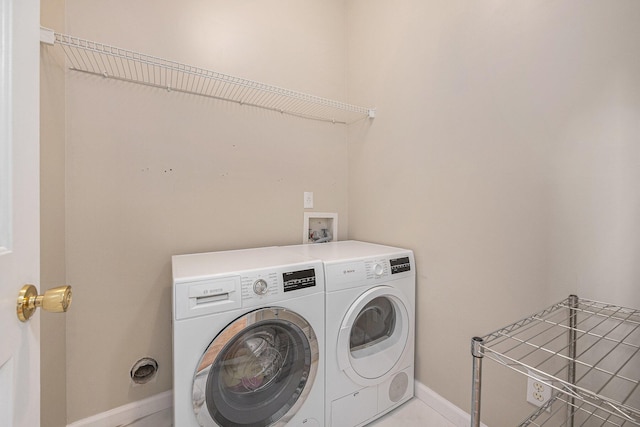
x=259 y=371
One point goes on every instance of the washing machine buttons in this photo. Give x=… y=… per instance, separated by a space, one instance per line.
x=260 y=287
x=378 y=269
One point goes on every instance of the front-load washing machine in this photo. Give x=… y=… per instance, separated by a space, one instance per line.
x=369 y=327
x=248 y=339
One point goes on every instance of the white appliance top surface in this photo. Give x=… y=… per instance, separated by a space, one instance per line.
x=348 y=250
x=212 y=263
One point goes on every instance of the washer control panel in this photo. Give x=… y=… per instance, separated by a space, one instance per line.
x=262 y=287
x=216 y=282
x=294 y=280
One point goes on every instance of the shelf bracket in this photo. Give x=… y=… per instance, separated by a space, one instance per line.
x=47 y=36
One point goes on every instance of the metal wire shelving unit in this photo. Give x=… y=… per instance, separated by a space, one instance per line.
x=126 y=65
x=587 y=352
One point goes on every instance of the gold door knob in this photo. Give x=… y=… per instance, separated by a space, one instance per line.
x=55 y=300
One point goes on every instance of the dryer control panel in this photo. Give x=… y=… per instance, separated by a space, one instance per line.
x=381 y=268
x=342 y=275
x=400 y=265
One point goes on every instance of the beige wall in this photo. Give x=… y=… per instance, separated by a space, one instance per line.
x=151 y=173
x=52 y=215
x=505 y=153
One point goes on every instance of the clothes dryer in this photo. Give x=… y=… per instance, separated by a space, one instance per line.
x=370 y=324
x=248 y=339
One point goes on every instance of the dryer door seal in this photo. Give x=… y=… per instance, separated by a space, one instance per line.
x=258 y=371
x=374 y=334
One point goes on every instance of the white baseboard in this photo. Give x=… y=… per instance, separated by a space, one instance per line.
x=128 y=413
x=448 y=410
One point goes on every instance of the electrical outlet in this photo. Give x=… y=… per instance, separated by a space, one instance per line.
x=538 y=391
x=308 y=200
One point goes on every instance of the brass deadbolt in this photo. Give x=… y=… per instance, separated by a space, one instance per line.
x=55 y=300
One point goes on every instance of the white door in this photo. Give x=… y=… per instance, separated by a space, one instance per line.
x=19 y=210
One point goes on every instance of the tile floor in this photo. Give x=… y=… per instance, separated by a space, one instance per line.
x=413 y=413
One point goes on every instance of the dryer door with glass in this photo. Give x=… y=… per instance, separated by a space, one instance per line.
x=374 y=334
x=257 y=372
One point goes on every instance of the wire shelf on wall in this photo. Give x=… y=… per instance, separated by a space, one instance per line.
x=122 y=64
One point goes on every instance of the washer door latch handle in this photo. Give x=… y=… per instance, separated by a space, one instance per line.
x=55 y=300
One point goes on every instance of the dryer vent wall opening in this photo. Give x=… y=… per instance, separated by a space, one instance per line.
x=144 y=370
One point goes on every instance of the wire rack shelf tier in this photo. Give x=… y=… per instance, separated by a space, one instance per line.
x=122 y=64
x=587 y=352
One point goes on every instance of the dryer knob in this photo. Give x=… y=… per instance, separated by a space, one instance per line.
x=378 y=269
x=260 y=287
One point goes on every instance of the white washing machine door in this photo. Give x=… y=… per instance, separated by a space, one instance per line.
x=374 y=335
x=257 y=372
